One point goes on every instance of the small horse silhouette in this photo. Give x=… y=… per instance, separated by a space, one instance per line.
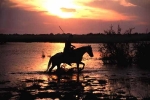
x=75 y=57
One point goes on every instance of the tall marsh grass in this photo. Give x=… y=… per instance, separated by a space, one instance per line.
x=116 y=53
x=142 y=54
x=123 y=54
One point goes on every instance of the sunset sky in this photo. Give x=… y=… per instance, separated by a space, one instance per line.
x=73 y=16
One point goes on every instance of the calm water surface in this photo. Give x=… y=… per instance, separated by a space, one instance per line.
x=25 y=57
x=17 y=59
x=20 y=61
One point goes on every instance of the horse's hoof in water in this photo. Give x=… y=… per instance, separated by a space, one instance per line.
x=45 y=71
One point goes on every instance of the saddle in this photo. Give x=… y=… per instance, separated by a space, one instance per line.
x=68 y=54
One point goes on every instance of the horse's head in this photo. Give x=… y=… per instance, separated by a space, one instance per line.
x=89 y=51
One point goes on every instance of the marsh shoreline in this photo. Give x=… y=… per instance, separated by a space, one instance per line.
x=89 y=38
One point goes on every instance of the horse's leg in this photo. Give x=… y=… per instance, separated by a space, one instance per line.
x=53 y=65
x=49 y=63
x=58 y=68
x=78 y=67
x=83 y=66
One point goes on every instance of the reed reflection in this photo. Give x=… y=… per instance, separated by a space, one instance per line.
x=94 y=82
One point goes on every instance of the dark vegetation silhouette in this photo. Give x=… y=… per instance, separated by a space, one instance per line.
x=81 y=38
x=142 y=54
x=116 y=53
x=125 y=53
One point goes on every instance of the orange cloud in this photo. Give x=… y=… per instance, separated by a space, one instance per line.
x=70 y=9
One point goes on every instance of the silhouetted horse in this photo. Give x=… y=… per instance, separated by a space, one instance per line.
x=75 y=57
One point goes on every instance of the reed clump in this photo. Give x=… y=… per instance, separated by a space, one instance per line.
x=142 y=54
x=125 y=53
x=116 y=53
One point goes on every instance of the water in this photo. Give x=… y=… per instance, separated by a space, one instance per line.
x=22 y=57
x=17 y=59
x=21 y=62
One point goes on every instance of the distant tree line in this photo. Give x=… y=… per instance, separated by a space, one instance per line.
x=84 y=38
x=108 y=36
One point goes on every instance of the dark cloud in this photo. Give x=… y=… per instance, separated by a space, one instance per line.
x=68 y=9
x=135 y=13
x=98 y=26
x=18 y=20
x=141 y=3
x=5 y=3
x=111 y=5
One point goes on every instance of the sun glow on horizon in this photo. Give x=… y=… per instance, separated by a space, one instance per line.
x=70 y=9
x=55 y=7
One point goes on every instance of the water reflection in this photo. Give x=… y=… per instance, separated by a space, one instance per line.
x=74 y=86
x=22 y=74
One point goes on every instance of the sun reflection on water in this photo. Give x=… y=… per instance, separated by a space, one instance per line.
x=28 y=67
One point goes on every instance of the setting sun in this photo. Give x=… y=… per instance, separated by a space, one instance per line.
x=70 y=9
x=63 y=9
x=83 y=16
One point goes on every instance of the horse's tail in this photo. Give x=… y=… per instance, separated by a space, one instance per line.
x=49 y=63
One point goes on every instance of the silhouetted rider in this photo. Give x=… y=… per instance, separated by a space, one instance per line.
x=68 y=46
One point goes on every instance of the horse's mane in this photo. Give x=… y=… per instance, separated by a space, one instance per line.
x=60 y=53
x=80 y=47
